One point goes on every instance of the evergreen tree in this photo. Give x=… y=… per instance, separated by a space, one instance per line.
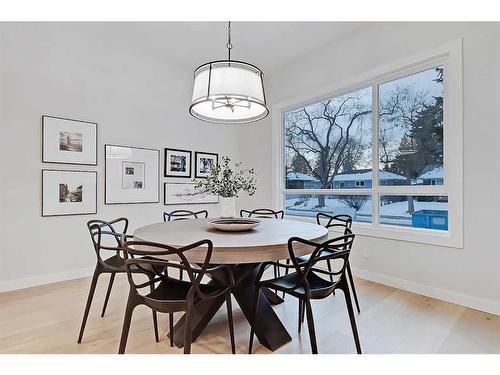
x=422 y=145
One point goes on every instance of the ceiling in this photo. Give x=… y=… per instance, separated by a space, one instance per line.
x=269 y=45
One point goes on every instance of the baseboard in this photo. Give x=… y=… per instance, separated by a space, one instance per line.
x=472 y=302
x=6 y=286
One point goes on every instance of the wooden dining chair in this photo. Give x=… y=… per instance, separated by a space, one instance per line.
x=306 y=282
x=106 y=238
x=341 y=222
x=170 y=295
x=184 y=214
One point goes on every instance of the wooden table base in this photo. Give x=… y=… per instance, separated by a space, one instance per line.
x=269 y=329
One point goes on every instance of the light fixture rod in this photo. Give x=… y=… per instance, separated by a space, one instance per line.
x=229 y=45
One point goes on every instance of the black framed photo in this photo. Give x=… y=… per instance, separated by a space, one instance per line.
x=69 y=192
x=177 y=163
x=204 y=162
x=132 y=175
x=68 y=141
x=186 y=193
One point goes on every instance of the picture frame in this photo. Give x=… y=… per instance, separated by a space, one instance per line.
x=132 y=175
x=203 y=163
x=68 y=141
x=177 y=163
x=68 y=192
x=175 y=193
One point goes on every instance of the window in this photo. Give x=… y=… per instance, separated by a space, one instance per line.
x=411 y=128
x=379 y=152
x=328 y=144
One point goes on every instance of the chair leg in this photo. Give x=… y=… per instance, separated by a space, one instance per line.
x=155 y=326
x=303 y=311
x=110 y=285
x=286 y=273
x=93 y=284
x=300 y=316
x=126 y=324
x=171 y=327
x=329 y=265
x=253 y=321
x=350 y=310
x=230 y=321
x=188 y=330
x=351 y=281
x=310 y=326
x=276 y=275
x=155 y=317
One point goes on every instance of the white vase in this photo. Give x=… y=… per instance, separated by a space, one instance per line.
x=227 y=207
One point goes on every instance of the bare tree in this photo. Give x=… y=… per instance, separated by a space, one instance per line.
x=354 y=201
x=328 y=137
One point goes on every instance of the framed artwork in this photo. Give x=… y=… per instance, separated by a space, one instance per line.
x=185 y=193
x=204 y=162
x=67 y=141
x=177 y=163
x=69 y=192
x=132 y=175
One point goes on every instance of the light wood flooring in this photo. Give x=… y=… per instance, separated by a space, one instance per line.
x=46 y=319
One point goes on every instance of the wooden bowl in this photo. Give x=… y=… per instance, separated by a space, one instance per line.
x=234 y=224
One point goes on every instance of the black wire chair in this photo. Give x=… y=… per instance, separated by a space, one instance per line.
x=184 y=214
x=106 y=238
x=342 y=222
x=265 y=213
x=306 y=282
x=172 y=295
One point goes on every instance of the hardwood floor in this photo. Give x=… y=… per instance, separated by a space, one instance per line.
x=46 y=319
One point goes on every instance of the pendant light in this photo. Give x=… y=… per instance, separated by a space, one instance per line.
x=228 y=91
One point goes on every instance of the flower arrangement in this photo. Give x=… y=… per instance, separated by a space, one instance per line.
x=226 y=181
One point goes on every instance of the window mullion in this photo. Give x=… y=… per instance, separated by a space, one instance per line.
x=375 y=156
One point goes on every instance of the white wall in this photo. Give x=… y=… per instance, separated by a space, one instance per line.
x=94 y=72
x=469 y=276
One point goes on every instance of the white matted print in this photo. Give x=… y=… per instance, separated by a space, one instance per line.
x=132 y=175
x=177 y=163
x=68 y=192
x=67 y=141
x=185 y=193
x=204 y=163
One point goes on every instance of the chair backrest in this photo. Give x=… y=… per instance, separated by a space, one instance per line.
x=337 y=248
x=334 y=220
x=144 y=255
x=105 y=235
x=263 y=213
x=183 y=214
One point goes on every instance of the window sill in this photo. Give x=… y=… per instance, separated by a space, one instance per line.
x=391 y=232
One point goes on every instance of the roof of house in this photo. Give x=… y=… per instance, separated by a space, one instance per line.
x=366 y=174
x=295 y=176
x=436 y=172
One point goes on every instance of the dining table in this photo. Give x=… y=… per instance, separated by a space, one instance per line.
x=243 y=252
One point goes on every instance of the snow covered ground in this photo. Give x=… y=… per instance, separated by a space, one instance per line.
x=393 y=213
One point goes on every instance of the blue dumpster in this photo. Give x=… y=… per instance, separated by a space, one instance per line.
x=431 y=219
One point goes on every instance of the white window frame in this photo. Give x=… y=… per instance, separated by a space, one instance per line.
x=448 y=55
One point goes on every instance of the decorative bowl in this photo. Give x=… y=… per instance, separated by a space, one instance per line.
x=234 y=224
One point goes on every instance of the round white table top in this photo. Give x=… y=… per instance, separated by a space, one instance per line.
x=266 y=242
